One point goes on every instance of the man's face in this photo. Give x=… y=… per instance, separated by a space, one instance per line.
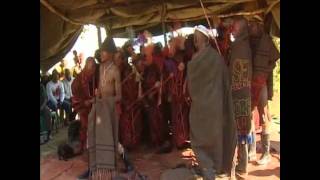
x=117 y=59
x=199 y=39
x=130 y=50
x=90 y=67
x=254 y=29
x=55 y=77
x=235 y=29
x=81 y=58
x=105 y=56
x=62 y=64
x=67 y=73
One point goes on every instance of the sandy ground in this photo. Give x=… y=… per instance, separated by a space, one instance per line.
x=152 y=165
x=146 y=161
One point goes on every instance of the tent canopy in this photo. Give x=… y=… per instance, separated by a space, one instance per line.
x=61 y=21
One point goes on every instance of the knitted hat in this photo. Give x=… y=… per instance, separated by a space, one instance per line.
x=108 y=45
x=203 y=30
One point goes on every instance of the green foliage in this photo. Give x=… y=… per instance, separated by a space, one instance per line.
x=276 y=71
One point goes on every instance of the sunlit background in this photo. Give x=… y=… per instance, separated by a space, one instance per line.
x=87 y=42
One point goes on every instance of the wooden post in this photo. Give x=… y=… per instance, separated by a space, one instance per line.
x=164 y=32
x=163 y=14
x=99 y=36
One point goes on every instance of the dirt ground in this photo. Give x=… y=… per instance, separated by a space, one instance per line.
x=151 y=164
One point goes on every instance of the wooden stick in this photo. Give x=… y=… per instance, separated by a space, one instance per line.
x=214 y=38
x=126 y=79
x=147 y=93
x=243 y=13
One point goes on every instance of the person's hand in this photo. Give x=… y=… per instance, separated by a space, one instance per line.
x=157 y=84
x=88 y=102
x=97 y=93
x=181 y=66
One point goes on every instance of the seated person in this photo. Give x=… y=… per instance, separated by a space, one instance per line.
x=56 y=95
x=67 y=81
x=45 y=114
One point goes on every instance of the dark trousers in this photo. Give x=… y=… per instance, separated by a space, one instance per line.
x=65 y=105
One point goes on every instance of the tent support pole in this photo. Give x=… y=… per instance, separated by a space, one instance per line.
x=99 y=36
x=164 y=33
x=163 y=14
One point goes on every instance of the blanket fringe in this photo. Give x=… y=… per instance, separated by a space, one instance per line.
x=102 y=174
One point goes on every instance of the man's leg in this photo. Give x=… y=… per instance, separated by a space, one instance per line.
x=266 y=122
x=83 y=130
x=47 y=115
x=52 y=106
x=66 y=106
x=252 y=148
x=71 y=114
x=205 y=163
x=234 y=164
x=242 y=166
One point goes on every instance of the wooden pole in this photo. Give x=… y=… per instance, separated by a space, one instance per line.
x=99 y=36
x=163 y=14
x=164 y=33
x=205 y=14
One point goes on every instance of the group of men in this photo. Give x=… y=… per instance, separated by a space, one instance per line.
x=55 y=96
x=223 y=135
x=184 y=95
x=144 y=102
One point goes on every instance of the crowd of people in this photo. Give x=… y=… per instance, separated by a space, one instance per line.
x=184 y=95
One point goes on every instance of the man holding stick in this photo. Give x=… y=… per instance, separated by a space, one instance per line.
x=212 y=124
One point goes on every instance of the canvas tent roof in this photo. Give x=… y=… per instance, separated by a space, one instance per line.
x=61 y=21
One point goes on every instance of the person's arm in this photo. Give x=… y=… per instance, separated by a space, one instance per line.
x=64 y=84
x=50 y=95
x=117 y=78
x=44 y=96
x=62 y=94
x=70 y=87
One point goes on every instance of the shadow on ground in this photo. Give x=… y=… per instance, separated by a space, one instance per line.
x=266 y=172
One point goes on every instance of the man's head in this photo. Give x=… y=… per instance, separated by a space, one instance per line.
x=157 y=50
x=90 y=66
x=75 y=53
x=67 y=74
x=128 y=48
x=80 y=59
x=255 y=28
x=118 y=58
x=55 y=76
x=139 y=65
x=239 y=27
x=108 y=48
x=201 y=37
x=63 y=63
